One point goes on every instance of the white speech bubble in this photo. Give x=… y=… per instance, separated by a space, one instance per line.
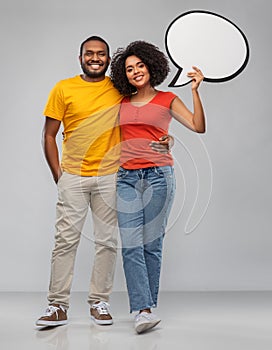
x=209 y=41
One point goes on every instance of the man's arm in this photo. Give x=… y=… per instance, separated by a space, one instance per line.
x=51 y=152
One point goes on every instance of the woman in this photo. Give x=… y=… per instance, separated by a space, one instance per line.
x=146 y=182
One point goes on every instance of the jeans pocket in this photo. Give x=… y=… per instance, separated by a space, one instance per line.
x=166 y=171
x=121 y=174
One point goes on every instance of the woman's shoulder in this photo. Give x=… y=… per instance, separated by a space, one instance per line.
x=166 y=97
x=166 y=93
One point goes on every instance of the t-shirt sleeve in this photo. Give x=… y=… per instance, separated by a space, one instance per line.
x=165 y=98
x=170 y=96
x=55 y=106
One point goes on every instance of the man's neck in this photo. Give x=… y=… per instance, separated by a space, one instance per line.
x=92 y=80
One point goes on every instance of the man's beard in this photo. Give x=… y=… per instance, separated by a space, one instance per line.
x=94 y=74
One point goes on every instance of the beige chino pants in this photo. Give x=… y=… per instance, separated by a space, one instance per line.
x=75 y=195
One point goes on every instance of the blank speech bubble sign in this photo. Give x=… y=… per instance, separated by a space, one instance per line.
x=209 y=41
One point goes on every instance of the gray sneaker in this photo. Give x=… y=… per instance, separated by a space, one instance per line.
x=145 y=321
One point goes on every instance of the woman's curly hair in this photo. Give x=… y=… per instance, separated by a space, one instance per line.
x=155 y=60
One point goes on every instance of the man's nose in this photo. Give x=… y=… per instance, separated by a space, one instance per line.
x=95 y=57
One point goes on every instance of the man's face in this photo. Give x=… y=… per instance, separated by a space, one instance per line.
x=94 y=60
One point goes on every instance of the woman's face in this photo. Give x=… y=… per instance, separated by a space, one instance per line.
x=137 y=72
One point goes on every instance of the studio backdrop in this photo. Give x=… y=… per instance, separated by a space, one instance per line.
x=219 y=231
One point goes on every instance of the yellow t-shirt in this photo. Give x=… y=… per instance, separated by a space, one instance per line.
x=89 y=113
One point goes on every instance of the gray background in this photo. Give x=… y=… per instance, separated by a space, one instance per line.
x=231 y=247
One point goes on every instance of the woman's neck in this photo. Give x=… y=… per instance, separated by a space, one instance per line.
x=144 y=95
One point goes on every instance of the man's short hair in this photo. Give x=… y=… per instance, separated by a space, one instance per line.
x=94 y=38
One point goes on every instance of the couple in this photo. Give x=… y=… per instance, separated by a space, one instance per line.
x=95 y=126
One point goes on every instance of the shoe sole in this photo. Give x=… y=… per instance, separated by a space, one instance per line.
x=51 y=323
x=146 y=326
x=102 y=322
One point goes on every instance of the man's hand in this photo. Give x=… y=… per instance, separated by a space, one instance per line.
x=56 y=179
x=164 y=144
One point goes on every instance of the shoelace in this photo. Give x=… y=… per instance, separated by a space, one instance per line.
x=102 y=308
x=51 y=310
x=144 y=315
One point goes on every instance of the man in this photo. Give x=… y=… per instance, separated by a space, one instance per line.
x=87 y=105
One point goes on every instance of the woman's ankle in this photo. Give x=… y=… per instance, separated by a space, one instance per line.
x=145 y=310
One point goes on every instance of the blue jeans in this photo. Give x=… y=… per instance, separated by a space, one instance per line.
x=144 y=200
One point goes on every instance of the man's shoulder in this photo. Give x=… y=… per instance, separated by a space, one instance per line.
x=70 y=80
x=108 y=80
x=79 y=81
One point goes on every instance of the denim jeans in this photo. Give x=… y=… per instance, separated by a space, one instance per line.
x=144 y=200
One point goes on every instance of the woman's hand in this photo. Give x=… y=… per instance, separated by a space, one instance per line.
x=196 y=76
x=164 y=144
